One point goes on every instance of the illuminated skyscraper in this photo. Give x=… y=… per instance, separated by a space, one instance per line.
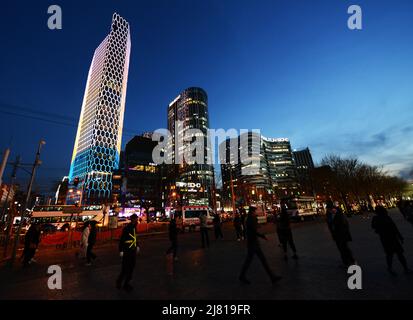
x=191 y=109
x=99 y=133
x=280 y=165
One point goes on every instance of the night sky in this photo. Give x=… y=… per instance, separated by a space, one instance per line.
x=290 y=68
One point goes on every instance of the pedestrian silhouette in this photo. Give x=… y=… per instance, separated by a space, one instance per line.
x=285 y=234
x=406 y=208
x=243 y=222
x=173 y=237
x=254 y=248
x=31 y=243
x=217 y=226
x=128 y=248
x=390 y=238
x=238 y=226
x=204 y=229
x=91 y=241
x=82 y=253
x=340 y=231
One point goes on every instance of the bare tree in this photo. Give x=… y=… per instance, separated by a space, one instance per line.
x=352 y=180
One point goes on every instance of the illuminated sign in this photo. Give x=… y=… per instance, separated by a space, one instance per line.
x=275 y=139
x=189 y=185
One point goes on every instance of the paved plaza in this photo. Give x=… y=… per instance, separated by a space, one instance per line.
x=213 y=273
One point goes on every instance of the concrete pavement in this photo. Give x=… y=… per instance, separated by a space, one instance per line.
x=212 y=273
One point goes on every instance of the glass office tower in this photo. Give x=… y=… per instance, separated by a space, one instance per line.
x=192 y=184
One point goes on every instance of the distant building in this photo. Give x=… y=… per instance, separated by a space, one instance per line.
x=276 y=176
x=99 y=133
x=139 y=179
x=6 y=194
x=303 y=159
x=248 y=188
x=305 y=165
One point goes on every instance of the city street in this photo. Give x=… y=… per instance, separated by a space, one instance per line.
x=213 y=273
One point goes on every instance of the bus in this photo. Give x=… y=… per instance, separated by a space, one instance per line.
x=301 y=208
x=59 y=216
x=188 y=216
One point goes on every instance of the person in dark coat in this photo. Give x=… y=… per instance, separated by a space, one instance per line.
x=203 y=220
x=285 y=235
x=243 y=223
x=91 y=241
x=409 y=211
x=390 y=238
x=238 y=226
x=128 y=248
x=254 y=248
x=402 y=206
x=31 y=242
x=217 y=226
x=340 y=231
x=173 y=237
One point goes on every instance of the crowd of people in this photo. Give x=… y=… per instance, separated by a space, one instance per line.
x=245 y=228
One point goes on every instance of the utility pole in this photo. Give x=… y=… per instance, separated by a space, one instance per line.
x=9 y=222
x=4 y=163
x=214 y=195
x=36 y=163
x=232 y=192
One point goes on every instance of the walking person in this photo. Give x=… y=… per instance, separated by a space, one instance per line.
x=217 y=226
x=91 y=241
x=204 y=229
x=173 y=237
x=31 y=243
x=284 y=232
x=390 y=237
x=409 y=211
x=84 y=240
x=238 y=226
x=340 y=231
x=243 y=223
x=254 y=248
x=402 y=206
x=128 y=248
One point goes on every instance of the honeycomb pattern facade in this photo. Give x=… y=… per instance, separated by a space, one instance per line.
x=98 y=140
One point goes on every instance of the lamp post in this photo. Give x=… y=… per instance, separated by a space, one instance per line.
x=36 y=163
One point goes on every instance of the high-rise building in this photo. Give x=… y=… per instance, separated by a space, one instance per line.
x=98 y=139
x=303 y=159
x=280 y=164
x=189 y=184
x=305 y=166
x=275 y=178
x=142 y=177
x=248 y=188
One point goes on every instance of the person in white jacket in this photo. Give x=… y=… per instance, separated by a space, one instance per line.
x=84 y=240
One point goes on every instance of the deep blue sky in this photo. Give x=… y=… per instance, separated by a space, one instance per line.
x=290 y=68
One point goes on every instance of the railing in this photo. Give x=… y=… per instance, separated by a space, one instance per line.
x=64 y=239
